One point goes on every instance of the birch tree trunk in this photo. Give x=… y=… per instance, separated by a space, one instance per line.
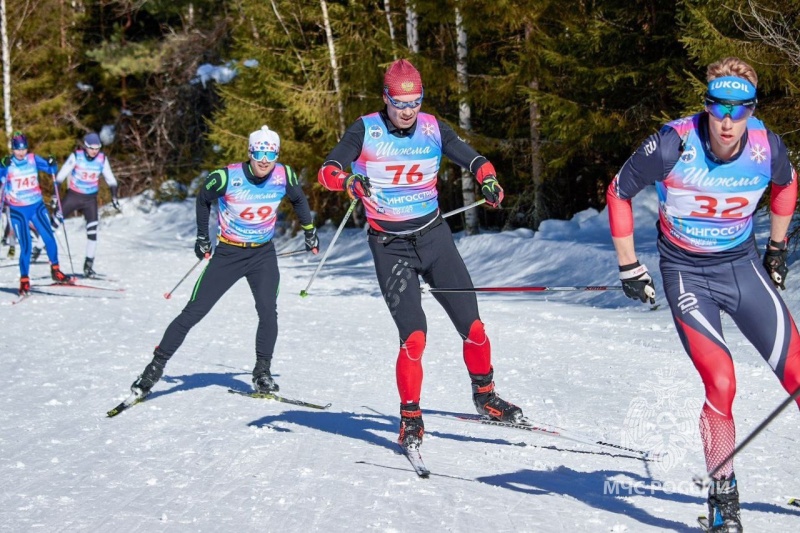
x=412 y=29
x=6 y=73
x=334 y=66
x=388 y=10
x=464 y=121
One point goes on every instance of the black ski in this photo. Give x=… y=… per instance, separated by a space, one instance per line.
x=794 y=502
x=129 y=402
x=415 y=458
x=546 y=429
x=278 y=398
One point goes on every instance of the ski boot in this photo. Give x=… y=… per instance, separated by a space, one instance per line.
x=35 y=253
x=12 y=251
x=411 y=426
x=488 y=403
x=264 y=383
x=58 y=276
x=87 y=268
x=152 y=373
x=24 y=286
x=723 y=506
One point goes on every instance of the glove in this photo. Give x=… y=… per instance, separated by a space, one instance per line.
x=637 y=283
x=312 y=241
x=357 y=186
x=492 y=191
x=6 y=161
x=202 y=247
x=775 y=263
x=54 y=203
x=51 y=161
x=115 y=203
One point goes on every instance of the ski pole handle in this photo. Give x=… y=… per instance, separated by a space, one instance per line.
x=168 y=295
x=350 y=209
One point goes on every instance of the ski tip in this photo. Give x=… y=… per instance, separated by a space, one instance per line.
x=794 y=502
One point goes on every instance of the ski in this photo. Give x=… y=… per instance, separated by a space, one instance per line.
x=21 y=298
x=82 y=286
x=278 y=398
x=415 y=458
x=794 y=502
x=129 y=402
x=546 y=429
x=703 y=521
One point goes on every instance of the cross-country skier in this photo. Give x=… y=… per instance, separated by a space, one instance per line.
x=20 y=189
x=83 y=169
x=247 y=196
x=710 y=170
x=395 y=155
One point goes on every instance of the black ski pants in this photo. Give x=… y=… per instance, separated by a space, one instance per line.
x=227 y=266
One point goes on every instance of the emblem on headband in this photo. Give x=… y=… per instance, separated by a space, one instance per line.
x=407 y=86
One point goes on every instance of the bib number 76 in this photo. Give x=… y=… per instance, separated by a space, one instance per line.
x=412 y=176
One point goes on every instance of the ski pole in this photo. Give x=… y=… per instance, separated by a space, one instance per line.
x=63 y=222
x=350 y=209
x=168 y=295
x=462 y=209
x=704 y=481
x=295 y=252
x=427 y=288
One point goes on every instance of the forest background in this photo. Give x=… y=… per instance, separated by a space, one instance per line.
x=557 y=94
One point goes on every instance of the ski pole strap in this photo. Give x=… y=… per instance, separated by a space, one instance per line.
x=426 y=288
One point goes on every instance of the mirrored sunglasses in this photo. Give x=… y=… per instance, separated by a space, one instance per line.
x=404 y=105
x=92 y=147
x=737 y=110
x=262 y=155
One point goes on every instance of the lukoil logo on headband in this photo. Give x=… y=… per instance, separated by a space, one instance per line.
x=730 y=84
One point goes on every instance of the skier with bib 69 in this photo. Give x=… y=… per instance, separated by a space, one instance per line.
x=710 y=170
x=395 y=155
x=247 y=196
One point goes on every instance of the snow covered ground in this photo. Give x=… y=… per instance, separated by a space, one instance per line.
x=194 y=458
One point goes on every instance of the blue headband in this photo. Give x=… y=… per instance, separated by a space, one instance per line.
x=731 y=88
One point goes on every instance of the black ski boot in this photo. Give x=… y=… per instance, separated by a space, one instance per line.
x=35 y=253
x=488 y=403
x=263 y=382
x=12 y=251
x=87 y=268
x=152 y=373
x=723 y=506
x=411 y=426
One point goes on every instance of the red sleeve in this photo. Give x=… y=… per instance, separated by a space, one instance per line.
x=332 y=177
x=486 y=170
x=620 y=212
x=784 y=197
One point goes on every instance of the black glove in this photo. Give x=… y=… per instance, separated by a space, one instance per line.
x=357 y=186
x=637 y=283
x=115 y=204
x=775 y=263
x=51 y=161
x=312 y=241
x=54 y=203
x=202 y=247
x=492 y=191
x=6 y=161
